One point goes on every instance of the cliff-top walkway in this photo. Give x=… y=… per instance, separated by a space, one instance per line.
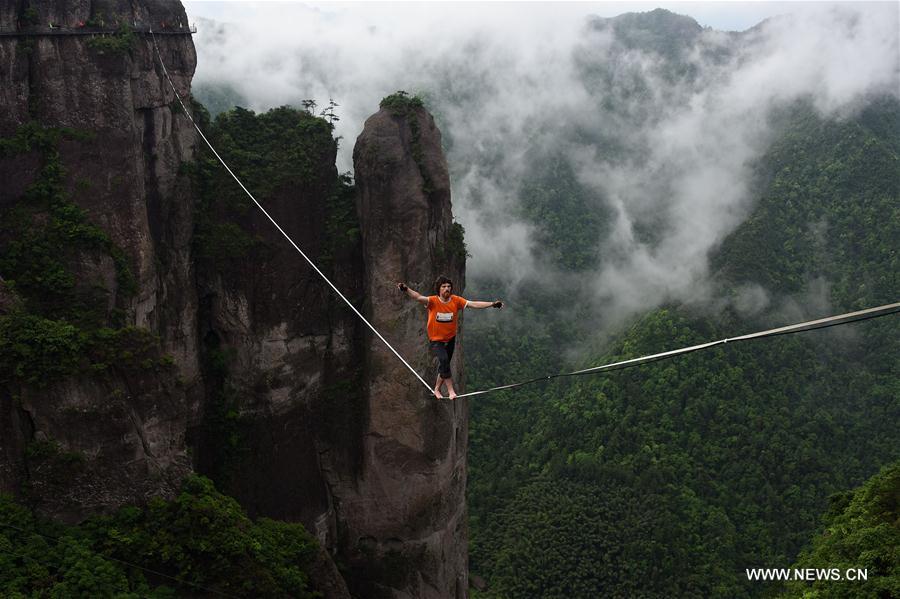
x=34 y=31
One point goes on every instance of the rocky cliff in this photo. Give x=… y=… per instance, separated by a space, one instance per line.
x=326 y=426
x=406 y=512
x=153 y=323
x=100 y=224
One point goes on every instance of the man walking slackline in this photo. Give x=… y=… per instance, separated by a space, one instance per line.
x=443 y=314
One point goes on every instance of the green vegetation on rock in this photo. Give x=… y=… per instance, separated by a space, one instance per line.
x=401 y=103
x=119 y=43
x=862 y=532
x=64 y=324
x=272 y=153
x=199 y=543
x=342 y=227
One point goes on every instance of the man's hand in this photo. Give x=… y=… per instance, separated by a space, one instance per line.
x=412 y=293
x=497 y=304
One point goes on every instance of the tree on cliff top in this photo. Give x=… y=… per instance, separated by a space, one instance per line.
x=400 y=102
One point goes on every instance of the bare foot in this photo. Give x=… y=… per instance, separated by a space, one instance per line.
x=438 y=394
x=452 y=395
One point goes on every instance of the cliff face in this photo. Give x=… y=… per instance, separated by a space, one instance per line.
x=405 y=515
x=153 y=353
x=326 y=426
x=283 y=357
x=127 y=428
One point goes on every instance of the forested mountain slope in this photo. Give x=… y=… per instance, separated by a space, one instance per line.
x=675 y=477
x=861 y=534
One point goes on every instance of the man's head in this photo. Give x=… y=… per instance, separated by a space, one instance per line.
x=443 y=286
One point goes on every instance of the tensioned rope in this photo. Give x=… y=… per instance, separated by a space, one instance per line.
x=795 y=328
x=810 y=325
x=272 y=220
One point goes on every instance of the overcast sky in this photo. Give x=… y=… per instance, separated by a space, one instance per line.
x=504 y=73
x=722 y=15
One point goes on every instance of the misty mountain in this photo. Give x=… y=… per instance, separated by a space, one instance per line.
x=692 y=470
x=658 y=118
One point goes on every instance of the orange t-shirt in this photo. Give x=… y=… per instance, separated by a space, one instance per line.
x=442 y=317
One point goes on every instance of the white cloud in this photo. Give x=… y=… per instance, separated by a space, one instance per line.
x=506 y=83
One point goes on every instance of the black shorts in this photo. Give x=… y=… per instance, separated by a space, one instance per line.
x=444 y=352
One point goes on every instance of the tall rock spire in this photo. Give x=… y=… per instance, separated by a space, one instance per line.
x=406 y=519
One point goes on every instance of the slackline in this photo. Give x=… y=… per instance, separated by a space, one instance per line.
x=810 y=325
x=794 y=328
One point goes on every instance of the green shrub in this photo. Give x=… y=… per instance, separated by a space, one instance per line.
x=39 y=351
x=400 y=103
x=119 y=43
x=35 y=349
x=456 y=241
x=341 y=221
x=200 y=542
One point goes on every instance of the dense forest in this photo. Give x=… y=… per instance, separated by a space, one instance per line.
x=675 y=477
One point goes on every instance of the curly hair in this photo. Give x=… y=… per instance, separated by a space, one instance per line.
x=440 y=281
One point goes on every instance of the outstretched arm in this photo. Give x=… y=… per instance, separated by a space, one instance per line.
x=422 y=299
x=480 y=305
